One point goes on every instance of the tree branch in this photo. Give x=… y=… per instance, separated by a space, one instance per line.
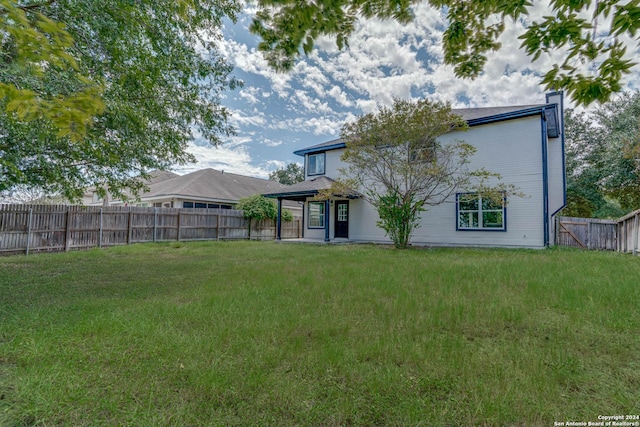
x=31 y=7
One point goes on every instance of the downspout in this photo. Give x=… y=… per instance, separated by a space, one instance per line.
x=545 y=178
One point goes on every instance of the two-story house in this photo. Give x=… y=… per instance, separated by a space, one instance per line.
x=524 y=144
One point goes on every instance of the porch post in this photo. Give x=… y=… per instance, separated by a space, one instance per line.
x=279 y=220
x=326 y=220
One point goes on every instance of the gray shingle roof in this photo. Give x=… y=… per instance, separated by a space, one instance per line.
x=212 y=184
x=159 y=176
x=311 y=186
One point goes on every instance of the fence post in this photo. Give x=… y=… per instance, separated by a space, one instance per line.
x=100 y=231
x=178 y=232
x=155 y=223
x=636 y=234
x=218 y=226
x=29 y=230
x=129 y=226
x=67 y=234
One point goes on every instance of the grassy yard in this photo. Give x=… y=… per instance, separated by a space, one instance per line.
x=256 y=333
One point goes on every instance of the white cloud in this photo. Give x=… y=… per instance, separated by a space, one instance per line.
x=270 y=143
x=273 y=165
x=250 y=94
x=240 y=118
x=227 y=158
x=340 y=96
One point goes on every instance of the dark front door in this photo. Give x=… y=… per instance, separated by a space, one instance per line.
x=342 y=219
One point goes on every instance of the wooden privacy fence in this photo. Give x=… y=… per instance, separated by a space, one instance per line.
x=622 y=235
x=34 y=228
x=629 y=233
x=586 y=233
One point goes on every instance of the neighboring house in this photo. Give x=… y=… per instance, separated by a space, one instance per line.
x=205 y=188
x=524 y=144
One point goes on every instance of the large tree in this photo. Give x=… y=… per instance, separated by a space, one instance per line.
x=585 y=31
x=395 y=158
x=135 y=81
x=603 y=158
x=584 y=146
x=288 y=175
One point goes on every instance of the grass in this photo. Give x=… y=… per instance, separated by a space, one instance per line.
x=256 y=333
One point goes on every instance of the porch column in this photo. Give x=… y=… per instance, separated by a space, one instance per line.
x=279 y=220
x=326 y=220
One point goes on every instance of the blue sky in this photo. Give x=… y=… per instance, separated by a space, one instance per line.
x=276 y=114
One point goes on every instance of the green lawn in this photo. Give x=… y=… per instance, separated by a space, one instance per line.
x=258 y=333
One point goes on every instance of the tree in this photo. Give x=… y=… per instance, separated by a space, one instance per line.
x=259 y=207
x=474 y=28
x=155 y=67
x=585 y=197
x=603 y=162
x=620 y=162
x=396 y=160
x=291 y=174
x=33 y=47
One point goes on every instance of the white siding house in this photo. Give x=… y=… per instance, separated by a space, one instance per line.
x=524 y=144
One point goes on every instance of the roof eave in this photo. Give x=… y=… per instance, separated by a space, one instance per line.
x=508 y=116
x=311 y=150
x=186 y=197
x=292 y=194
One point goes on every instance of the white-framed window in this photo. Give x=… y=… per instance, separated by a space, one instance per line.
x=316 y=215
x=477 y=213
x=343 y=212
x=315 y=164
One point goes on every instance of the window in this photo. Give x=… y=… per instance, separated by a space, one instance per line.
x=315 y=164
x=202 y=205
x=343 y=212
x=478 y=213
x=424 y=153
x=316 y=214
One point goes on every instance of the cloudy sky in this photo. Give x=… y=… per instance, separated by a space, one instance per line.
x=276 y=114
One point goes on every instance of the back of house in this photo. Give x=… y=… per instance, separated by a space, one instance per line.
x=524 y=144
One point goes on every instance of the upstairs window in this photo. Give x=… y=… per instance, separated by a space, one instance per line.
x=478 y=213
x=423 y=153
x=315 y=164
